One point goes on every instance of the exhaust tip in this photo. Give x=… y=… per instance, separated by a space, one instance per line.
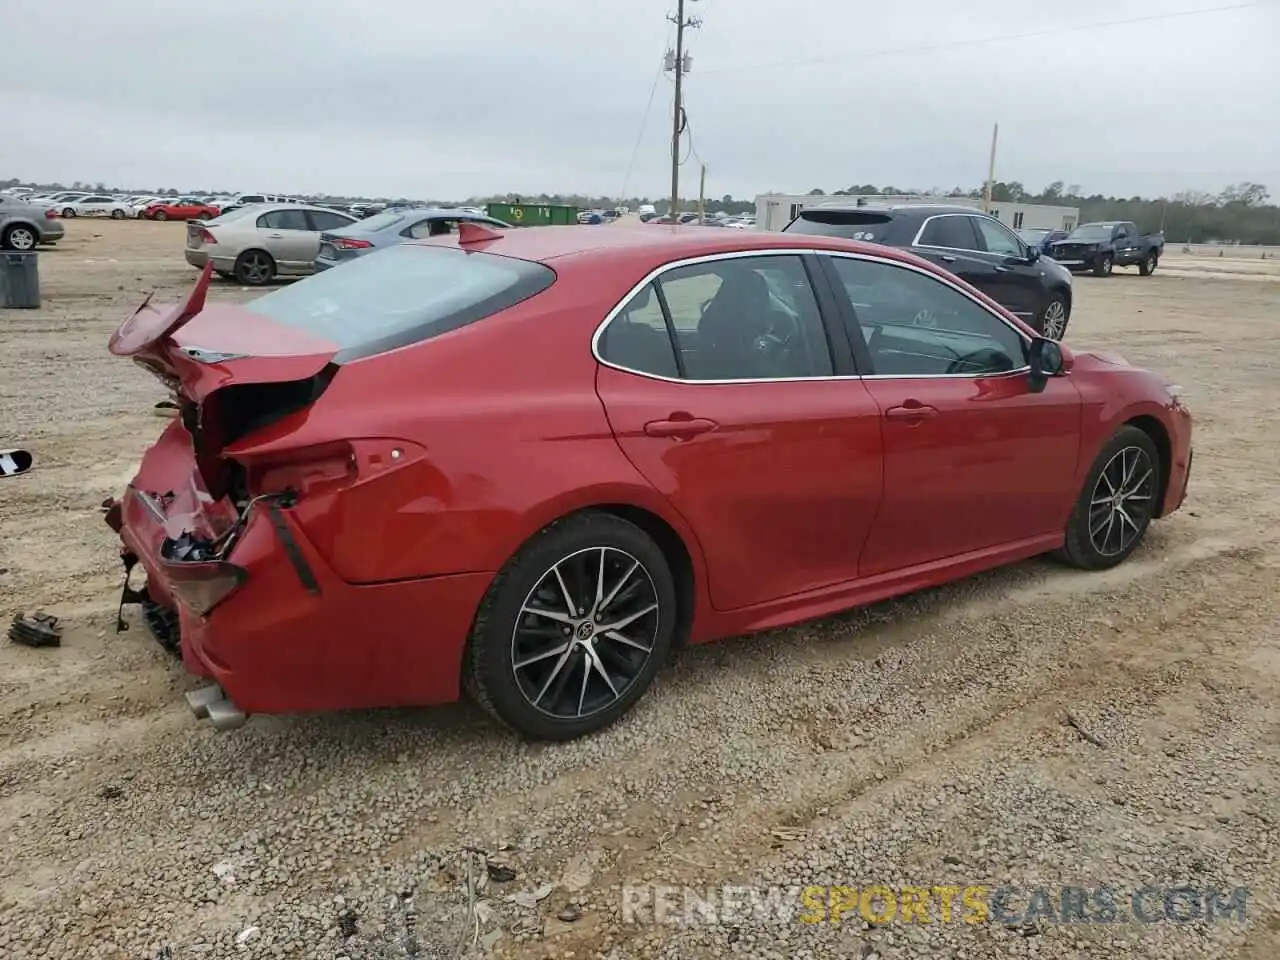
x=199 y=700
x=225 y=715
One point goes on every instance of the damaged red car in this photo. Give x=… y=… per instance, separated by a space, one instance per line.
x=529 y=464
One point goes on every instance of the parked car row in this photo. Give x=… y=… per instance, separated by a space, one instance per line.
x=257 y=243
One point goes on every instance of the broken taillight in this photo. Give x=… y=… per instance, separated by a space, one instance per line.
x=202 y=585
x=309 y=470
x=51 y=214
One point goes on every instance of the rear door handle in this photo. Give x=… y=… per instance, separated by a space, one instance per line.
x=1000 y=269
x=911 y=411
x=947 y=259
x=682 y=428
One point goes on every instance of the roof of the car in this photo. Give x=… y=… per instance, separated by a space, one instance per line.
x=930 y=209
x=657 y=244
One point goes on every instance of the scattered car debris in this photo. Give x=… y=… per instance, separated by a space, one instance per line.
x=247 y=934
x=111 y=792
x=570 y=913
x=36 y=630
x=499 y=872
x=531 y=898
x=348 y=923
x=14 y=462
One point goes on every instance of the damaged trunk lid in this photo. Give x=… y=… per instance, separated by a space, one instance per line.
x=230 y=370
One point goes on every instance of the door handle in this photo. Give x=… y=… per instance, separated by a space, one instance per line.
x=276 y=236
x=1000 y=269
x=911 y=410
x=947 y=259
x=679 y=428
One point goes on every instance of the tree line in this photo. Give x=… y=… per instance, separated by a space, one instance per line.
x=1239 y=213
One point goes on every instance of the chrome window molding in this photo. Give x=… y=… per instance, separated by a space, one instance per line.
x=654 y=274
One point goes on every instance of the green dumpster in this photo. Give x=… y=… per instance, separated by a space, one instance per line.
x=533 y=214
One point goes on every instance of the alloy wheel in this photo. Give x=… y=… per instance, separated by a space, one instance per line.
x=255 y=268
x=20 y=238
x=585 y=632
x=1122 y=502
x=1055 y=320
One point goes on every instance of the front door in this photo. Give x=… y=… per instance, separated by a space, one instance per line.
x=1018 y=280
x=772 y=460
x=972 y=458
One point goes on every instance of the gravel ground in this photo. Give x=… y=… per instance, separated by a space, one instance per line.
x=1033 y=727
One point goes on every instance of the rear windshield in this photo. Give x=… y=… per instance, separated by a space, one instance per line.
x=848 y=224
x=380 y=221
x=402 y=295
x=1091 y=231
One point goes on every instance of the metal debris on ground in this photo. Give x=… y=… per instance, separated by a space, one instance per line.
x=15 y=462
x=36 y=630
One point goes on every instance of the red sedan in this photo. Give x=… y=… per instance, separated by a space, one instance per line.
x=530 y=464
x=184 y=208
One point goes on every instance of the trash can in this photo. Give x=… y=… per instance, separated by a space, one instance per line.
x=19 y=280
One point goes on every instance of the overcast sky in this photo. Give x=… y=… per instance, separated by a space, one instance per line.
x=448 y=100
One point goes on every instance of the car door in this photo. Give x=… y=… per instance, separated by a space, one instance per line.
x=1019 y=280
x=288 y=237
x=973 y=459
x=1126 y=245
x=951 y=241
x=752 y=427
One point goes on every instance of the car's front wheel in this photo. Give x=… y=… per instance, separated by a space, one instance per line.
x=1053 y=318
x=1102 y=268
x=1117 y=504
x=573 y=629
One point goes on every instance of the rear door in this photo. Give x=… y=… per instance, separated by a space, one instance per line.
x=973 y=459
x=951 y=241
x=752 y=428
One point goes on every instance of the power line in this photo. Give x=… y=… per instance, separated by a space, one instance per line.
x=644 y=121
x=949 y=44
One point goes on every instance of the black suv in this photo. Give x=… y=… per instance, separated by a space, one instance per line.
x=974 y=246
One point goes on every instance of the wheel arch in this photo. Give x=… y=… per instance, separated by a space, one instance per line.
x=1159 y=435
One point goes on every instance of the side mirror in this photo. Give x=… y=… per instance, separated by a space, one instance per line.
x=1045 y=359
x=1033 y=254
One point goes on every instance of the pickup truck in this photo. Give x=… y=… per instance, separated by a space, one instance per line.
x=1114 y=243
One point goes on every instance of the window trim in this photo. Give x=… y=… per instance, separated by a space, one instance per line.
x=977 y=237
x=842 y=303
x=1023 y=246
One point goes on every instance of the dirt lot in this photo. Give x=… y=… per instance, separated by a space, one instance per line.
x=922 y=741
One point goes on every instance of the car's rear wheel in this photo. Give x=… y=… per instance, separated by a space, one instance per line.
x=19 y=237
x=1102 y=267
x=1053 y=318
x=117 y=214
x=1148 y=265
x=1117 y=504
x=159 y=215
x=68 y=213
x=573 y=629
x=254 y=268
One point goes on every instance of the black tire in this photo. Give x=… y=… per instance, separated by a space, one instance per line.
x=1102 y=267
x=254 y=268
x=20 y=237
x=1054 y=317
x=1148 y=265
x=1095 y=533
x=502 y=625
x=160 y=215
x=117 y=214
x=68 y=213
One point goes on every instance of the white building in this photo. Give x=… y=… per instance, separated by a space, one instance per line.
x=774 y=210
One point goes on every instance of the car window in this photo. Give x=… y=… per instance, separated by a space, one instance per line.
x=637 y=337
x=406 y=294
x=997 y=237
x=326 y=220
x=953 y=231
x=915 y=325
x=745 y=318
x=284 y=220
x=432 y=227
x=848 y=224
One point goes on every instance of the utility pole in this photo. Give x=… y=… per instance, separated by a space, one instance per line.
x=702 y=195
x=991 y=168
x=679 y=62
